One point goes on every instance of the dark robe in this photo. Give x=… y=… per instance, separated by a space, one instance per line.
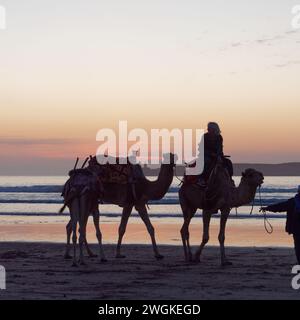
x=292 y=218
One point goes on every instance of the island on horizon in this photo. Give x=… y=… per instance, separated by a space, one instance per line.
x=291 y=169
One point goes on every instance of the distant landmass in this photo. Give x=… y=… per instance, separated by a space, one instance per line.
x=282 y=169
x=55 y=167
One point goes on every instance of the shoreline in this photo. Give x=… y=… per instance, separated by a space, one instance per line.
x=239 y=233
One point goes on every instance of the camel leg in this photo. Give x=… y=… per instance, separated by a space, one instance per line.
x=205 y=237
x=188 y=213
x=83 y=217
x=87 y=247
x=224 y=217
x=185 y=236
x=122 y=228
x=74 y=220
x=69 y=233
x=90 y=253
x=96 y=218
x=145 y=217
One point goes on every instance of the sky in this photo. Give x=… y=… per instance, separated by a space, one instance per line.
x=69 y=68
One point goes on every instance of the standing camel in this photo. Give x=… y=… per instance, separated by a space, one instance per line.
x=225 y=197
x=135 y=195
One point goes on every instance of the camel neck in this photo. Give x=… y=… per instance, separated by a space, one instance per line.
x=158 y=188
x=245 y=193
x=166 y=170
x=165 y=176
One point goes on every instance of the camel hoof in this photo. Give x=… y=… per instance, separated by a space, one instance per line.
x=196 y=259
x=226 y=263
x=188 y=259
x=82 y=262
x=191 y=258
x=74 y=265
x=93 y=255
x=159 y=257
x=120 y=256
x=67 y=256
x=103 y=260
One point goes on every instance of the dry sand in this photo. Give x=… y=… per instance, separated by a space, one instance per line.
x=36 y=269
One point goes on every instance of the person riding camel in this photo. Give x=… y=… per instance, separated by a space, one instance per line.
x=213 y=149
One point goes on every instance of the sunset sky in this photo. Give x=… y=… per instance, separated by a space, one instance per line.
x=69 y=68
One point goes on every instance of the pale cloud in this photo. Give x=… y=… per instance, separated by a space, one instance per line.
x=287 y=64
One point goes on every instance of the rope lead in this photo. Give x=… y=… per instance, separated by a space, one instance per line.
x=267 y=224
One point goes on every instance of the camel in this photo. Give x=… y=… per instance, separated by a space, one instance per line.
x=225 y=197
x=81 y=194
x=128 y=196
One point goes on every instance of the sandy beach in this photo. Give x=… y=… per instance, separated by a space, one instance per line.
x=37 y=271
x=32 y=254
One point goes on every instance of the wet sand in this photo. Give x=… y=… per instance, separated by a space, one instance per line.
x=239 y=232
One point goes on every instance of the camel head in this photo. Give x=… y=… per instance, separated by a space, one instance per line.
x=253 y=177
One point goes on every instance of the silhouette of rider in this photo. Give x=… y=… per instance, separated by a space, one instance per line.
x=213 y=149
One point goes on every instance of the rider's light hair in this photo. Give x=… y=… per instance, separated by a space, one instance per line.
x=214 y=126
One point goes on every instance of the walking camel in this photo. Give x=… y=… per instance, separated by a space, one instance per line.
x=81 y=193
x=126 y=196
x=225 y=197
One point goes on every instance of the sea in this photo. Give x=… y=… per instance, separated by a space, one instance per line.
x=30 y=196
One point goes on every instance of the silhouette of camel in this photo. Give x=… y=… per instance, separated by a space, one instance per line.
x=225 y=197
x=122 y=195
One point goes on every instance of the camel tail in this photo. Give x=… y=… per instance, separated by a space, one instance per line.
x=68 y=199
x=62 y=209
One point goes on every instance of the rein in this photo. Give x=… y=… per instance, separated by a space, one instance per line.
x=176 y=176
x=267 y=225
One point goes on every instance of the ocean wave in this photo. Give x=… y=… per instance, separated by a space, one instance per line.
x=153 y=215
x=166 y=201
x=32 y=189
x=58 y=189
x=32 y=201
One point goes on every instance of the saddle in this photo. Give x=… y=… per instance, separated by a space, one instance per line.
x=193 y=179
x=82 y=171
x=211 y=191
x=113 y=172
x=116 y=173
x=82 y=180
